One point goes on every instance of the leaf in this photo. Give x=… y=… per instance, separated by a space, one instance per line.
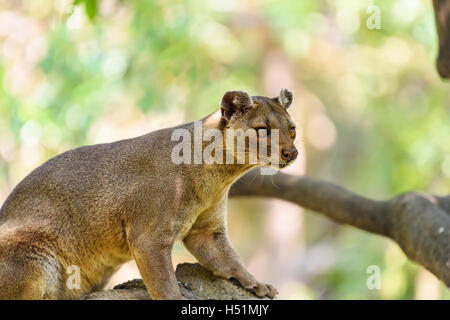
x=91 y=8
x=90 y=5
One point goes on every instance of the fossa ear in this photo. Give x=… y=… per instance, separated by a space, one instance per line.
x=235 y=102
x=285 y=98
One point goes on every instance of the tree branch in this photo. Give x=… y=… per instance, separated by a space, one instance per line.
x=442 y=19
x=419 y=223
x=196 y=283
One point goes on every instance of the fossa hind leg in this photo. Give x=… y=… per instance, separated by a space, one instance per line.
x=26 y=279
x=27 y=272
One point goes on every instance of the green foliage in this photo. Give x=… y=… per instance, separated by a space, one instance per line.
x=90 y=5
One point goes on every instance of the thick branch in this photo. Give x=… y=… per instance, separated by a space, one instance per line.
x=332 y=200
x=196 y=283
x=444 y=203
x=442 y=18
x=419 y=223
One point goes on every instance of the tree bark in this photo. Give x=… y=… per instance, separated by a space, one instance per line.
x=418 y=222
x=196 y=283
x=442 y=19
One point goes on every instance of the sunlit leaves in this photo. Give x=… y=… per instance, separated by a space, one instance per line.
x=90 y=6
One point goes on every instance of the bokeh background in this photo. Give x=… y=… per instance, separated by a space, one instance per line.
x=372 y=112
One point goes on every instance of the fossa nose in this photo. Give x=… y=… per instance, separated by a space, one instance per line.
x=289 y=154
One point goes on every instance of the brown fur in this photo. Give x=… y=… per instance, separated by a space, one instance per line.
x=99 y=206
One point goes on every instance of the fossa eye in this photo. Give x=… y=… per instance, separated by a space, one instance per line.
x=292 y=133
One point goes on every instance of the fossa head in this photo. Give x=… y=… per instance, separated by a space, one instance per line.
x=266 y=117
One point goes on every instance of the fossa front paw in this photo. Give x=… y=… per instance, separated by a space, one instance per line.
x=259 y=288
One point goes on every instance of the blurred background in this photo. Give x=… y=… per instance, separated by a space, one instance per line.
x=373 y=115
